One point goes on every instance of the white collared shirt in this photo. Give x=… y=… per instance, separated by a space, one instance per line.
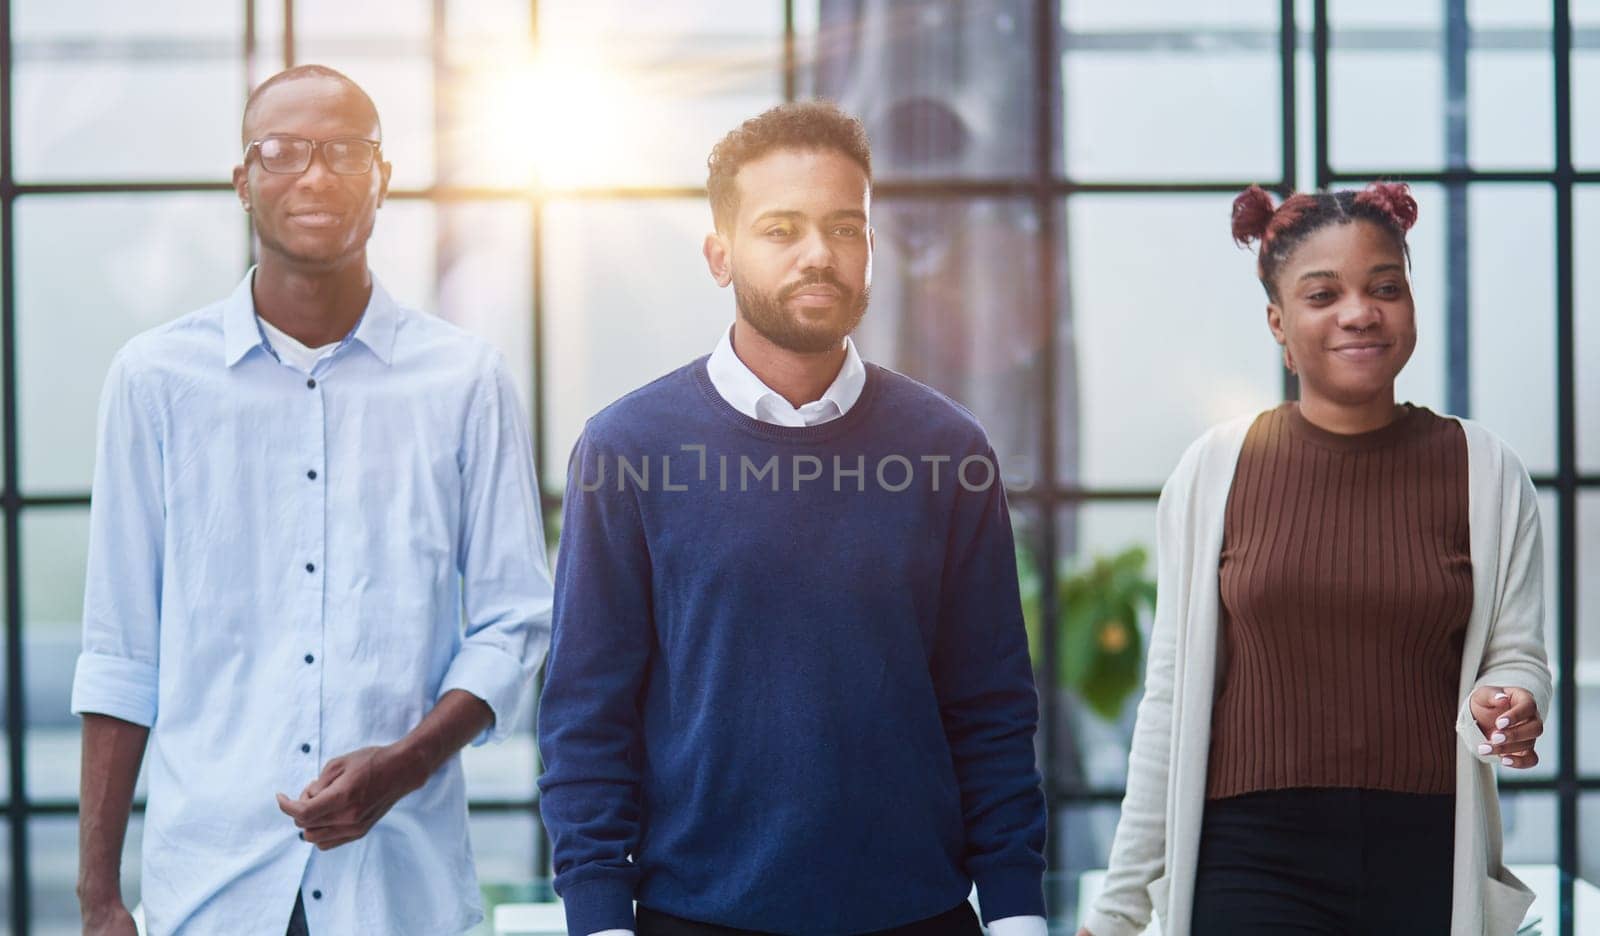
x=286 y=567
x=744 y=391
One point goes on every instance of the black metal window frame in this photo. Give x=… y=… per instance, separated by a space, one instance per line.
x=1048 y=189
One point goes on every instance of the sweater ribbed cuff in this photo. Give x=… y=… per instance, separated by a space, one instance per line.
x=598 y=904
x=1010 y=891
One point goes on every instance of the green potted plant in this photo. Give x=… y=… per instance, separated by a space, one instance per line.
x=1099 y=649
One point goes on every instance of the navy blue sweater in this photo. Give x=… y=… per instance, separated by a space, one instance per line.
x=788 y=688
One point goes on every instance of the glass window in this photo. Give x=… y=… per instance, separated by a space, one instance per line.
x=1586 y=289
x=93 y=84
x=608 y=83
x=468 y=262
x=54 y=551
x=53 y=869
x=1168 y=335
x=1586 y=670
x=1588 y=857
x=943 y=93
x=1182 y=112
x=608 y=334
x=1511 y=256
x=1081 y=836
x=108 y=117
x=1163 y=15
x=367 y=22
x=135 y=262
x=1092 y=745
x=956 y=304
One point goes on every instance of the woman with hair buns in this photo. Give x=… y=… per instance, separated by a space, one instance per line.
x=1348 y=635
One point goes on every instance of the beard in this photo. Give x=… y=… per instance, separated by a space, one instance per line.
x=768 y=315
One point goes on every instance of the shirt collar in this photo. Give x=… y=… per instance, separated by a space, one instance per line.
x=240 y=333
x=743 y=390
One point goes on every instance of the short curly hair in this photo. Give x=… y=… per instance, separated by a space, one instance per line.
x=802 y=125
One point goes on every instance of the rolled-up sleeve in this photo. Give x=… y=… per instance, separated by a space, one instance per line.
x=117 y=670
x=505 y=575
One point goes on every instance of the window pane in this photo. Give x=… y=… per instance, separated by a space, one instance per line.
x=135 y=262
x=1112 y=15
x=1511 y=251
x=503 y=846
x=55 y=548
x=1092 y=746
x=55 y=543
x=364 y=21
x=1529 y=823
x=1081 y=836
x=53 y=864
x=1170 y=332
x=1588 y=888
x=490 y=22
x=616 y=95
x=1586 y=289
x=956 y=304
x=94 y=82
x=608 y=334
x=1511 y=118
x=506 y=770
x=1587 y=669
x=1382 y=79
x=1200 y=111
x=96 y=19
x=1367 y=14
x=1384 y=107
x=469 y=262
x=1586 y=107
x=945 y=90
x=106 y=114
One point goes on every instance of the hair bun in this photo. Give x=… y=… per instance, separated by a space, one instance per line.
x=1252 y=212
x=1393 y=199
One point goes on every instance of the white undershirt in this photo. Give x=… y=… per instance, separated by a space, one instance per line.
x=290 y=351
x=744 y=391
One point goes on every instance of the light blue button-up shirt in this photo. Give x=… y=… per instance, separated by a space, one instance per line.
x=284 y=568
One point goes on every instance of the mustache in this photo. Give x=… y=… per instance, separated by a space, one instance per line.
x=819 y=278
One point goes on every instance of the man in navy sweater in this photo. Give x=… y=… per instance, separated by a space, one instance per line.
x=788 y=689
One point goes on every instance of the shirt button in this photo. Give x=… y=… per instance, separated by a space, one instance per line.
x=305 y=749
x=316 y=895
x=310 y=658
x=312 y=474
x=311 y=567
x=311 y=382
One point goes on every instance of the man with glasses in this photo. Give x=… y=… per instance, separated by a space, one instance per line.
x=316 y=571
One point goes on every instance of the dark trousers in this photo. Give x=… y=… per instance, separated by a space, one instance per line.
x=957 y=921
x=297 y=919
x=1333 y=862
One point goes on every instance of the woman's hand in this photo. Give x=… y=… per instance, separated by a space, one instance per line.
x=1508 y=718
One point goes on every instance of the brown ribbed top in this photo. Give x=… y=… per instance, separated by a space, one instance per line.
x=1346 y=582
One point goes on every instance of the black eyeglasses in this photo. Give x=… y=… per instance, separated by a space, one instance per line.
x=291 y=155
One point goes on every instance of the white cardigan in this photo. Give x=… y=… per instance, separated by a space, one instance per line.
x=1158 y=837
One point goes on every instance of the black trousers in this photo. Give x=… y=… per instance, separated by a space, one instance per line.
x=1333 y=862
x=957 y=921
x=297 y=919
